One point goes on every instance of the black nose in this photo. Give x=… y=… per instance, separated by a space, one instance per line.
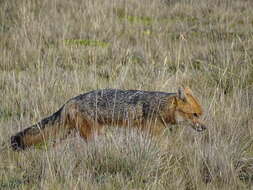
x=17 y=143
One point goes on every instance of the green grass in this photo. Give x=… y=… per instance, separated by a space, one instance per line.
x=54 y=50
x=83 y=42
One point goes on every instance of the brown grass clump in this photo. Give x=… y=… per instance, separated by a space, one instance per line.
x=53 y=50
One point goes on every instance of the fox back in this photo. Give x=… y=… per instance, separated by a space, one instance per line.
x=115 y=105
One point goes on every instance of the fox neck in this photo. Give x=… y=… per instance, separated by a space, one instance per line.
x=169 y=111
x=170 y=117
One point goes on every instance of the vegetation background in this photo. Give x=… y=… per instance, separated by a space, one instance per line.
x=54 y=50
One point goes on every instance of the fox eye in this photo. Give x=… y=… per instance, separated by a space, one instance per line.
x=195 y=115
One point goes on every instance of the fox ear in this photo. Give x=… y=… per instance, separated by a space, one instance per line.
x=187 y=90
x=181 y=94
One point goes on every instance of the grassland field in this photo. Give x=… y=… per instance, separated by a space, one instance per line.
x=53 y=50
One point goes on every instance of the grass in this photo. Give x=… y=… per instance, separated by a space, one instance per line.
x=85 y=42
x=54 y=50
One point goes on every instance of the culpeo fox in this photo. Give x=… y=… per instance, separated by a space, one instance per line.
x=89 y=112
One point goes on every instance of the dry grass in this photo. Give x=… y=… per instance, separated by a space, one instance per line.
x=53 y=50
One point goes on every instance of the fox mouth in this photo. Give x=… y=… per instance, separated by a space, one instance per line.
x=198 y=127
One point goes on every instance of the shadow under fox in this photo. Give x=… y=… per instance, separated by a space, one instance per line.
x=88 y=113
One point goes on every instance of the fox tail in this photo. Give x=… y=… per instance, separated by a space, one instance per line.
x=39 y=132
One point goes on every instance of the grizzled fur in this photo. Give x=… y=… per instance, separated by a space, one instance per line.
x=113 y=105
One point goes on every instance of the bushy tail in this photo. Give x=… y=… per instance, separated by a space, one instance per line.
x=47 y=127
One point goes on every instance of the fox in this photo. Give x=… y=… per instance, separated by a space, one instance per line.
x=89 y=113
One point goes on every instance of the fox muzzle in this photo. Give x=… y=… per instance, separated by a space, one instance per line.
x=199 y=127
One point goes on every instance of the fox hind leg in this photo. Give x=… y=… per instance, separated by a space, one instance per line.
x=88 y=130
x=86 y=127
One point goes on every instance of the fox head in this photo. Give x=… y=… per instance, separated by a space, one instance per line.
x=188 y=108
